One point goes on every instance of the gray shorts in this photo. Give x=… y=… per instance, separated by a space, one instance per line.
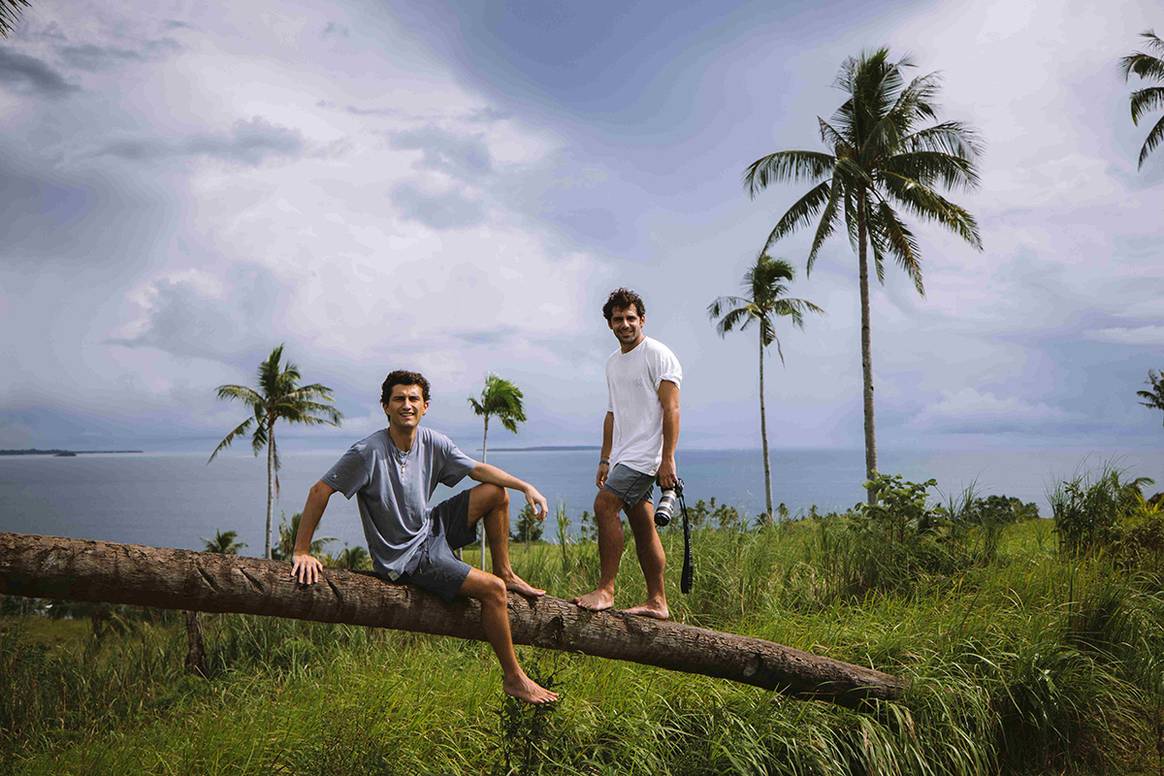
x=629 y=485
x=434 y=567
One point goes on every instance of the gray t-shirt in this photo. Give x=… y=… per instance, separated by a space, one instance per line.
x=394 y=489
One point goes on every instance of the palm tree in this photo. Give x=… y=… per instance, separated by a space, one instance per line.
x=501 y=398
x=10 y=15
x=1153 y=399
x=764 y=300
x=279 y=396
x=1147 y=66
x=224 y=543
x=883 y=156
x=285 y=547
x=354 y=558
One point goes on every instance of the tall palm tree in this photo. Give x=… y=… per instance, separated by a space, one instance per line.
x=764 y=300
x=883 y=156
x=1153 y=399
x=1147 y=66
x=279 y=396
x=502 y=399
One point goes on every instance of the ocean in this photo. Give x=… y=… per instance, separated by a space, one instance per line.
x=178 y=500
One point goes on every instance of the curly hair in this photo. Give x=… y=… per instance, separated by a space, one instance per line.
x=403 y=377
x=622 y=299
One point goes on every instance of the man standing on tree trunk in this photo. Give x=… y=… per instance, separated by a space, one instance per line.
x=639 y=435
x=393 y=473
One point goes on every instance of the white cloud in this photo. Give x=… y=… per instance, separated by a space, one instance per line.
x=971 y=411
x=1129 y=335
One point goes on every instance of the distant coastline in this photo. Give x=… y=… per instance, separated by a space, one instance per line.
x=63 y=453
x=543 y=449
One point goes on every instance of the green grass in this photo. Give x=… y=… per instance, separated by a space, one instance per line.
x=1031 y=663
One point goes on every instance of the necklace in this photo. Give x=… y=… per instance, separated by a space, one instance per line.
x=401 y=457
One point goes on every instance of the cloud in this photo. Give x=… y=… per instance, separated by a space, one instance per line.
x=968 y=410
x=458 y=155
x=224 y=317
x=29 y=75
x=437 y=209
x=89 y=56
x=1129 y=335
x=250 y=142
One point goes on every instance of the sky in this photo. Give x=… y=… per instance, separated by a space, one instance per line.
x=456 y=187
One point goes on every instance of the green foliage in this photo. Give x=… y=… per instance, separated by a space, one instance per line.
x=352 y=558
x=1153 y=399
x=1089 y=509
x=1032 y=662
x=285 y=547
x=529 y=527
x=1148 y=65
x=279 y=396
x=224 y=543
x=501 y=399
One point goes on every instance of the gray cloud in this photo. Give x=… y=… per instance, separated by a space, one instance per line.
x=89 y=56
x=29 y=75
x=462 y=156
x=228 y=320
x=249 y=142
x=445 y=210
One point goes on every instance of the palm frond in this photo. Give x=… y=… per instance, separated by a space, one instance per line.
x=10 y=15
x=259 y=438
x=1150 y=142
x=1145 y=100
x=730 y=320
x=786 y=166
x=902 y=244
x=947 y=137
x=248 y=396
x=238 y=431
x=1143 y=65
x=929 y=167
x=925 y=202
x=825 y=227
x=800 y=213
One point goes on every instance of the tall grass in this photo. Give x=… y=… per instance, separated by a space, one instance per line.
x=1023 y=660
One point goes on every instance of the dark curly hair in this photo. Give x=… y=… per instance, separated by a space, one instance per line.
x=403 y=377
x=621 y=299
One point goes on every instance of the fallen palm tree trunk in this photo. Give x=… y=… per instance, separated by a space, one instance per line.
x=72 y=569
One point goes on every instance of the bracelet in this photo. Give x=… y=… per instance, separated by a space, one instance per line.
x=604 y=461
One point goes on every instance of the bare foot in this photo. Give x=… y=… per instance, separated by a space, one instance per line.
x=520 y=586
x=659 y=612
x=597 y=601
x=526 y=689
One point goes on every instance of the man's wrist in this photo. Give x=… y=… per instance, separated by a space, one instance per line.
x=604 y=462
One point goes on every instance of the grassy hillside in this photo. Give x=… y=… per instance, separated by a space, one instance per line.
x=1023 y=659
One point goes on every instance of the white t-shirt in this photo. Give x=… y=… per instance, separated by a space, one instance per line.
x=632 y=383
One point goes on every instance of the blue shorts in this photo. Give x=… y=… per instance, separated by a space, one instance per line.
x=630 y=485
x=434 y=567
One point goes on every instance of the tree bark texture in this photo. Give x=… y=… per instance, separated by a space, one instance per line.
x=270 y=488
x=195 y=646
x=73 y=569
x=764 y=432
x=866 y=351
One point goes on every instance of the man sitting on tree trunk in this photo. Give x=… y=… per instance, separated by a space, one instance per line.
x=393 y=473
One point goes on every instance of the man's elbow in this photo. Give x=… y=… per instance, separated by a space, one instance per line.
x=320 y=491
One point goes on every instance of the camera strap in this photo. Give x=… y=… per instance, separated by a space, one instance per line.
x=688 y=575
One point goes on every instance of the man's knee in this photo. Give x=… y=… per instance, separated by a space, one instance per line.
x=494 y=593
x=487 y=497
x=607 y=505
